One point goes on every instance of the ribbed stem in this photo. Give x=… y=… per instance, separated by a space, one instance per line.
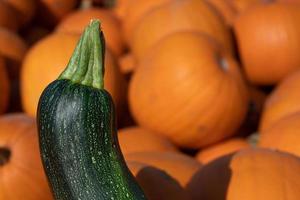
x=4 y=156
x=86 y=65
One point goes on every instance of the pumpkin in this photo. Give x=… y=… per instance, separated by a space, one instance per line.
x=4 y=87
x=76 y=21
x=188 y=89
x=20 y=163
x=177 y=165
x=269 y=34
x=284 y=135
x=135 y=12
x=39 y=62
x=148 y=141
x=26 y=9
x=258 y=174
x=172 y=17
x=8 y=17
x=121 y=7
x=148 y=178
x=220 y=149
x=283 y=101
x=225 y=9
x=127 y=63
x=52 y=11
x=13 y=48
x=242 y=5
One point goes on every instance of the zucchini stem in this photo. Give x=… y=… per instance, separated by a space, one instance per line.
x=86 y=65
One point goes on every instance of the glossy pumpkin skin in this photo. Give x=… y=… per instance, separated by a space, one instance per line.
x=156 y=183
x=137 y=139
x=4 y=87
x=179 y=166
x=18 y=134
x=77 y=129
x=220 y=149
x=283 y=101
x=77 y=20
x=172 y=17
x=135 y=13
x=8 y=16
x=61 y=46
x=249 y=174
x=276 y=40
x=284 y=135
x=178 y=82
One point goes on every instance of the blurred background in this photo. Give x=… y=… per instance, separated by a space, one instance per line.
x=207 y=92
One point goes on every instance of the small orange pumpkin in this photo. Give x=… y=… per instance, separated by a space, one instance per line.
x=269 y=33
x=77 y=20
x=137 y=139
x=4 y=87
x=8 y=16
x=26 y=9
x=38 y=61
x=220 y=149
x=172 y=17
x=177 y=165
x=22 y=174
x=284 y=135
x=156 y=183
x=283 y=101
x=188 y=89
x=250 y=174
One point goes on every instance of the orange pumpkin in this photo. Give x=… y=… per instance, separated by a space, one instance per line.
x=283 y=101
x=250 y=174
x=220 y=149
x=50 y=12
x=76 y=21
x=177 y=165
x=284 y=135
x=135 y=12
x=46 y=60
x=156 y=183
x=225 y=9
x=4 y=87
x=13 y=48
x=172 y=17
x=26 y=9
x=8 y=16
x=269 y=33
x=189 y=90
x=22 y=174
x=127 y=63
x=121 y=7
x=146 y=140
x=242 y=5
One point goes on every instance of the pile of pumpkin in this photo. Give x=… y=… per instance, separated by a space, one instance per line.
x=206 y=92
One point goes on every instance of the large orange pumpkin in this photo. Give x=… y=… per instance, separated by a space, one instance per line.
x=4 y=87
x=283 y=101
x=242 y=5
x=22 y=174
x=225 y=8
x=47 y=59
x=177 y=165
x=135 y=12
x=137 y=139
x=184 y=15
x=268 y=37
x=250 y=174
x=189 y=90
x=121 y=7
x=284 y=135
x=8 y=16
x=156 y=183
x=76 y=21
x=220 y=149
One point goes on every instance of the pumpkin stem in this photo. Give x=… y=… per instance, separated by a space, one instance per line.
x=4 y=156
x=86 y=65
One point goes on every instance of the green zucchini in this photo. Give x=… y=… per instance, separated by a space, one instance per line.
x=77 y=131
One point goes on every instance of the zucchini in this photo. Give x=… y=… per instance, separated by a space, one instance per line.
x=77 y=131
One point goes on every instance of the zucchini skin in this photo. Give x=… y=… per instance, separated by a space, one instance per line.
x=79 y=146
